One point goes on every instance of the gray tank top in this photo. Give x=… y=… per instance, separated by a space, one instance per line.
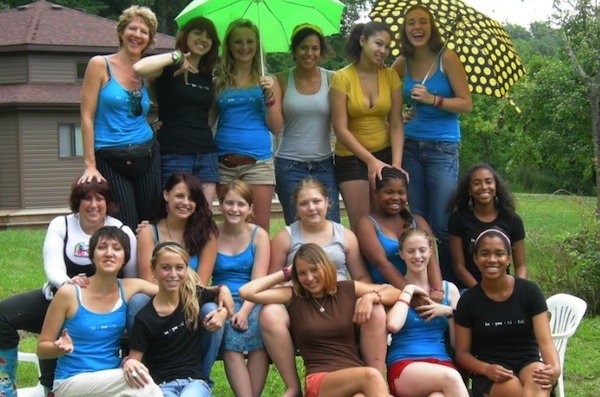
x=307 y=123
x=334 y=249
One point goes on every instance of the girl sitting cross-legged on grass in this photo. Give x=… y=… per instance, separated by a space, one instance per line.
x=322 y=317
x=166 y=331
x=417 y=361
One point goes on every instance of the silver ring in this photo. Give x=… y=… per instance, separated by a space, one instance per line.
x=133 y=374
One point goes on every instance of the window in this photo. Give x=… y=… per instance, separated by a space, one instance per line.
x=80 y=70
x=70 y=143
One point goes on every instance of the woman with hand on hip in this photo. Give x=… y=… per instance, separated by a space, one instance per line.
x=435 y=85
x=183 y=83
x=165 y=332
x=248 y=109
x=322 y=317
x=243 y=255
x=305 y=147
x=84 y=326
x=340 y=245
x=502 y=328
x=366 y=106
x=417 y=361
x=482 y=201
x=118 y=143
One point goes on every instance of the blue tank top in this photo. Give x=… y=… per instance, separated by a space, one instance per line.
x=431 y=123
x=235 y=270
x=192 y=262
x=96 y=339
x=112 y=124
x=419 y=339
x=390 y=247
x=241 y=127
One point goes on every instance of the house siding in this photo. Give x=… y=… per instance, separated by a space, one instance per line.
x=47 y=178
x=13 y=69
x=54 y=68
x=9 y=162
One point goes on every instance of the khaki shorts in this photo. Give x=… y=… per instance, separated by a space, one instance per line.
x=260 y=173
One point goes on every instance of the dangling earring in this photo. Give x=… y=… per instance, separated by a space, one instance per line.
x=496 y=200
x=167 y=207
x=471 y=202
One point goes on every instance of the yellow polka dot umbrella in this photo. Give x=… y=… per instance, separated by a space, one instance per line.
x=489 y=57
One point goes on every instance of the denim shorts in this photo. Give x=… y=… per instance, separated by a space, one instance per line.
x=351 y=168
x=203 y=165
x=186 y=387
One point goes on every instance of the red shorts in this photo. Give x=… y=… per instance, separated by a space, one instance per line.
x=395 y=370
x=313 y=383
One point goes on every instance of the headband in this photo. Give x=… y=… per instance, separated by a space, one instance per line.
x=162 y=245
x=498 y=231
x=306 y=26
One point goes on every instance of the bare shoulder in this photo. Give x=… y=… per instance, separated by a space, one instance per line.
x=398 y=65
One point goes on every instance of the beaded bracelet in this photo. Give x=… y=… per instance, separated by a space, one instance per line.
x=440 y=102
x=379 y=295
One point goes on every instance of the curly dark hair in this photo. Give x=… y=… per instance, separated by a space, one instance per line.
x=387 y=174
x=200 y=226
x=459 y=201
x=435 y=40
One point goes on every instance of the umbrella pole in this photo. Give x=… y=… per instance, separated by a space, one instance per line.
x=262 y=56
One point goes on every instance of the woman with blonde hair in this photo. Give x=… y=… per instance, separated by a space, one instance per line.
x=248 y=108
x=165 y=332
x=322 y=317
x=118 y=143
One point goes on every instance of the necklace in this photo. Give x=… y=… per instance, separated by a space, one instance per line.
x=169 y=232
x=321 y=306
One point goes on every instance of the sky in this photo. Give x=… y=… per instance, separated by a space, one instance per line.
x=514 y=11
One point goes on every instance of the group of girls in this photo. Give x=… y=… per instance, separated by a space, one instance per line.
x=183 y=248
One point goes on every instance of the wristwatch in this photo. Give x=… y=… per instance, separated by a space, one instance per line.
x=451 y=314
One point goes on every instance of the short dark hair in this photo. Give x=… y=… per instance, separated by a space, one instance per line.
x=110 y=233
x=306 y=31
x=80 y=191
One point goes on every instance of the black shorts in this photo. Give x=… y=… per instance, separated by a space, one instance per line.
x=482 y=384
x=351 y=168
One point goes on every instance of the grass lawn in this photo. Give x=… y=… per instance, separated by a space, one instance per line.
x=547 y=218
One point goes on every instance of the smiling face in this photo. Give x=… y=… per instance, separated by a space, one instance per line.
x=180 y=201
x=234 y=208
x=482 y=186
x=310 y=277
x=308 y=52
x=418 y=27
x=92 y=209
x=492 y=257
x=170 y=271
x=311 y=206
x=392 y=196
x=199 y=42
x=242 y=44
x=416 y=252
x=136 y=36
x=376 y=47
x=109 y=255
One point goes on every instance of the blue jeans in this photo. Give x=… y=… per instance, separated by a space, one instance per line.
x=433 y=170
x=204 y=165
x=289 y=172
x=185 y=388
x=211 y=341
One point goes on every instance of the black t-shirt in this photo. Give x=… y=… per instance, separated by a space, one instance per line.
x=171 y=350
x=183 y=109
x=467 y=226
x=502 y=332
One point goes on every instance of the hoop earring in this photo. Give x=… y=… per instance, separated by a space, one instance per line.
x=471 y=205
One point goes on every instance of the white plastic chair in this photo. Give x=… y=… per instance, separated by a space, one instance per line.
x=34 y=391
x=566 y=312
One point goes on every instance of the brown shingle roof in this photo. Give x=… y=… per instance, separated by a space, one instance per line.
x=40 y=94
x=44 y=23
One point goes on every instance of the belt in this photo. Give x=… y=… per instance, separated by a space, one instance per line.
x=233 y=160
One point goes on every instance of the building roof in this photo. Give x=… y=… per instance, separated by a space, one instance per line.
x=40 y=94
x=46 y=24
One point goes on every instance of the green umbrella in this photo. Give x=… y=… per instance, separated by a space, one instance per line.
x=276 y=19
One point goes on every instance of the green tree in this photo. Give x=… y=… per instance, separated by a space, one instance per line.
x=580 y=23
